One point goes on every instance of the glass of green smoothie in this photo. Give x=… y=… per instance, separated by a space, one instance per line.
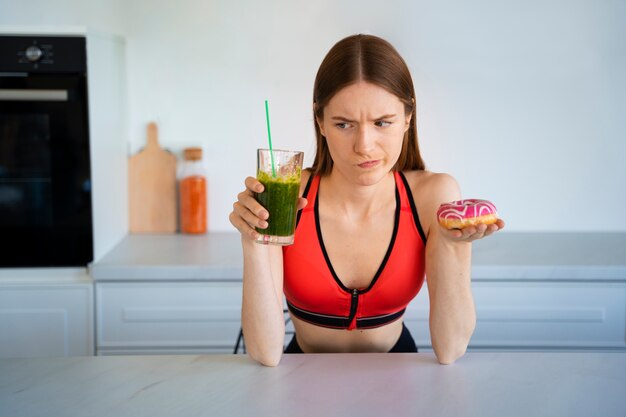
x=279 y=172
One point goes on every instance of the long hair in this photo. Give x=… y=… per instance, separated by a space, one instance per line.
x=374 y=60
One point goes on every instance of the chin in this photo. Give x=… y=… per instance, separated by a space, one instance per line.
x=371 y=177
x=364 y=177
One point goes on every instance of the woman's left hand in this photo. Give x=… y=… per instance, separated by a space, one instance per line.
x=471 y=233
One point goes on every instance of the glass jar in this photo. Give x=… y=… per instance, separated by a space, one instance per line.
x=193 y=193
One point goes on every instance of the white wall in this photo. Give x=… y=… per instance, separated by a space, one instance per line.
x=524 y=103
x=98 y=15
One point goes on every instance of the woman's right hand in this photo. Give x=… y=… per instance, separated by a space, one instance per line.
x=248 y=213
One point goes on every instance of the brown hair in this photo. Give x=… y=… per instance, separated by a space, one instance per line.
x=372 y=59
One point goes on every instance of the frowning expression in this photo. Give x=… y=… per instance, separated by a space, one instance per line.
x=364 y=127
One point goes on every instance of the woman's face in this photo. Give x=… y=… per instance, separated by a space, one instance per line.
x=364 y=126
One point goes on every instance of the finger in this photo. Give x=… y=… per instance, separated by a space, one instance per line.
x=476 y=236
x=243 y=227
x=454 y=234
x=249 y=217
x=248 y=201
x=254 y=185
x=302 y=203
x=480 y=231
x=491 y=229
x=468 y=232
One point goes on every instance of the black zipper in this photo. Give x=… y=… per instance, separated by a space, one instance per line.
x=353 y=305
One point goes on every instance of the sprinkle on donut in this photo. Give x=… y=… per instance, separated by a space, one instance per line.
x=464 y=213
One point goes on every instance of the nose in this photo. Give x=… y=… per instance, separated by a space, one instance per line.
x=364 y=141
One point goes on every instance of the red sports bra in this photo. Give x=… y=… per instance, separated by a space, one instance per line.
x=315 y=293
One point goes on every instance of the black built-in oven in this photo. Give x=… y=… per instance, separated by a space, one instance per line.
x=45 y=180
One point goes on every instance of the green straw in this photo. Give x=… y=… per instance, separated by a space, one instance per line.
x=269 y=138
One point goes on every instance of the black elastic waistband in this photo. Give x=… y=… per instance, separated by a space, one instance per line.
x=342 y=322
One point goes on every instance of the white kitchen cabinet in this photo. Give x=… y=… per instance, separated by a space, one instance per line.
x=46 y=312
x=175 y=317
x=167 y=317
x=538 y=316
x=533 y=291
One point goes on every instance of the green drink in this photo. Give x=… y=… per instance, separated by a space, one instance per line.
x=279 y=199
x=281 y=182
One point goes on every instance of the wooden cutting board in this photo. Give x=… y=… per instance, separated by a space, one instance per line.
x=152 y=188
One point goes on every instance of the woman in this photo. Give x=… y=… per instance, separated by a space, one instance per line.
x=368 y=231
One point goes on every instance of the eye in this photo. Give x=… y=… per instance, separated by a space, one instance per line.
x=382 y=123
x=342 y=125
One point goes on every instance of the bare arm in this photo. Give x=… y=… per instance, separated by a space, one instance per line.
x=262 y=316
x=448 y=271
x=452 y=313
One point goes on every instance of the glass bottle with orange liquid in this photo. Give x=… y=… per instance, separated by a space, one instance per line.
x=193 y=193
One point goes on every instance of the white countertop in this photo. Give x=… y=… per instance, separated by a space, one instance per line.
x=159 y=257
x=479 y=384
x=550 y=256
x=506 y=256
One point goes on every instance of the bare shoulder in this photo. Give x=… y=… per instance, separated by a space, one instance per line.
x=429 y=190
x=433 y=186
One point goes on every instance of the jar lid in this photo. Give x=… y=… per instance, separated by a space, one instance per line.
x=192 y=154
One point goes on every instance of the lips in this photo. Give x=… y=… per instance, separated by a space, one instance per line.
x=369 y=164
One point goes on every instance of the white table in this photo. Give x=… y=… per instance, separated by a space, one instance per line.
x=324 y=385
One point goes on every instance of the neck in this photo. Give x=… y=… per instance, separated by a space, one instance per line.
x=358 y=200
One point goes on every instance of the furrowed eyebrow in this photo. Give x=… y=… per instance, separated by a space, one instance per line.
x=341 y=119
x=344 y=119
x=386 y=116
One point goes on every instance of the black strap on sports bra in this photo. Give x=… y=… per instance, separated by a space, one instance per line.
x=341 y=322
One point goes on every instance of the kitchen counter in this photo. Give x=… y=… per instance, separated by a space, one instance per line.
x=503 y=257
x=166 y=257
x=479 y=384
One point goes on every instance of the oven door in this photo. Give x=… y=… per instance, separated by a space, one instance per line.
x=45 y=186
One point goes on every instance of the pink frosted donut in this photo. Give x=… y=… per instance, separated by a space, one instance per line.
x=464 y=213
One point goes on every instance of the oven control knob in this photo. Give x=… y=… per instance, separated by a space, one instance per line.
x=33 y=53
